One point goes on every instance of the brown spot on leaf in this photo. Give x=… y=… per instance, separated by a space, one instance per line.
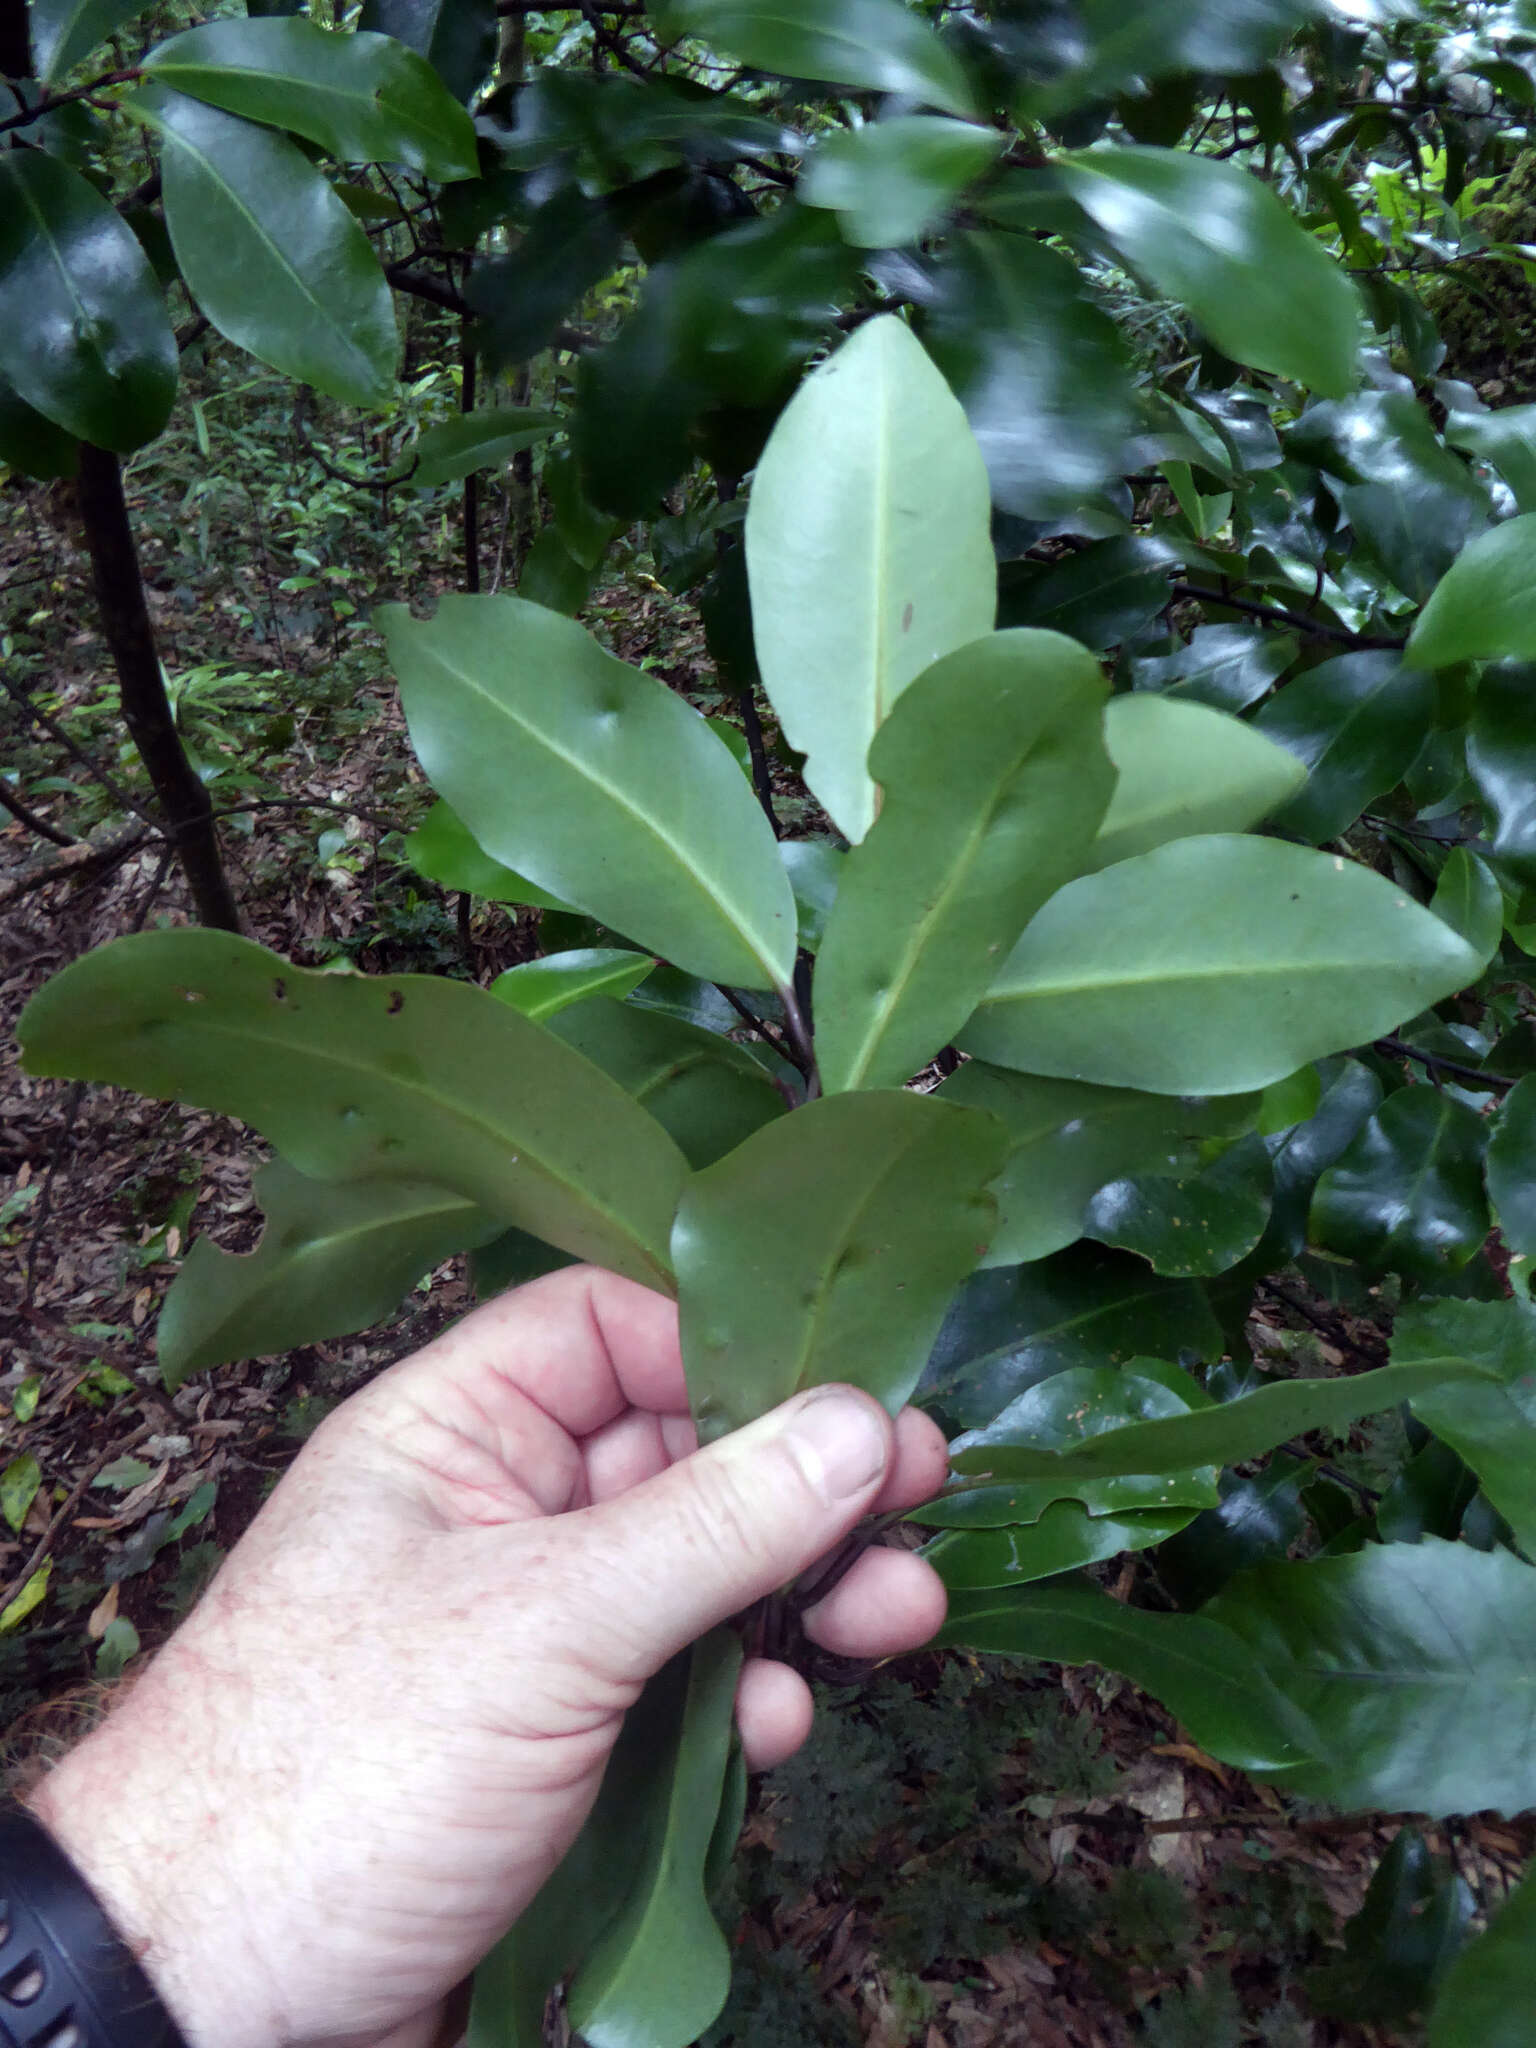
x=396 y=1002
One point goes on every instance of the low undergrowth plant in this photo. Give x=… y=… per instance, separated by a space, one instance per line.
x=1158 y=1009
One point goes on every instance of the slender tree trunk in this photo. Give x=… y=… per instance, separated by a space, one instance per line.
x=147 y=712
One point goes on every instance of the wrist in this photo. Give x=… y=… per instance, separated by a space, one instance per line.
x=127 y=1812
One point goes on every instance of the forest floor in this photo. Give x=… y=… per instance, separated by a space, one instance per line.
x=968 y=1853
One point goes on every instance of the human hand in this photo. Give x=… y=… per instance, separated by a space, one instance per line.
x=350 y=1770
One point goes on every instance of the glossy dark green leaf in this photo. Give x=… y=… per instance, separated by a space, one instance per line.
x=1067 y=1139
x=1485 y=608
x=1350 y=1094
x=1257 y=1519
x=660 y=1971
x=1229 y=1433
x=443 y=850
x=1109 y=42
x=1064 y=1539
x=479 y=440
x=1356 y=724
x=1407 y=1194
x=597 y=780
x=93 y=351
x=814 y=868
x=1102 y=595
x=457 y=37
x=1401 y=1942
x=628 y=1900
x=511 y=1260
x=31 y=445
x=1511 y=1175
x=890 y=181
x=65 y=31
x=1410 y=530
x=1216 y=239
x=1489 y=1422
x=1395 y=1653
x=1429 y=1496
x=1501 y=755
x=1506 y=438
x=1184 y=768
x=1385 y=437
x=827 y=1248
x=1194 y=1224
x=541 y=988
x=1227 y=667
x=1292 y=1101
x=571 y=242
x=1213 y=965
x=363 y=1077
x=993 y=776
x=1469 y=899
x=859 y=586
x=364 y=98
x=270 y=253
x=707 y=1094
x=877 y=45
x=1038 y=366
x=1007 y=1330
x=331 y=1260
x=1200 y=1671
x=1485 y=2001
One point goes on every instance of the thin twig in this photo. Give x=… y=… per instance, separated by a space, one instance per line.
x=62 y=1514
x=1399 y=1048
x=1317 y=629
x=25 y=815
x=760 y=1026
x=800 y=1038
x=312 y=803
x=93 y=768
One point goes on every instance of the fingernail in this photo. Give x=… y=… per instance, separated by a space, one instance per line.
x=837 y=1440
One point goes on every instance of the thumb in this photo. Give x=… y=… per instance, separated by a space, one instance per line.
x=731 y=1523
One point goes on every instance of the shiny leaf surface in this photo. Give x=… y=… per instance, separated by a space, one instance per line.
x=363 y=98
x=64 y=31
x=1511 y=1178
x=1256 y=1519
x=659 y=1973
x=827 y=1248
x=1102 y=595
x=1067 y=1139
x=877 y=45
x=1485 y=608
x=1407 y=1193
x=890 y=181
x=1038 y=366
x=362 y=1077
x=1227 y=667
x=1212 y=965
x=993 y=777
x=541 y=988
x=94 y=353
x=1468 y=897
x=1184 y=768
x=1211 y=236
x=1400 y=1943
x=707 y=1094
x=443 y=850
x=1064 y=1539
x=1501 y=755
x=1008 y=1330
x=1356 y=724
x=1485 y=2001
x=1489 y=1421
x=860 y=585
x=1193 y=1224
x=457 y=37
x=478 y=440
x=31 y=445
x=270 y=253
x=597 y=781
x=331 y=1260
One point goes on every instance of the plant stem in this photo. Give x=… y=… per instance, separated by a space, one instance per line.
x=146 y=709
x=25 y=815
x=1316 y=629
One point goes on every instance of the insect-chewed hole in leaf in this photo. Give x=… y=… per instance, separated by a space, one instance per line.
x=396 y=1002
x=279 y=990
x=350 y=1114
x=192 y=995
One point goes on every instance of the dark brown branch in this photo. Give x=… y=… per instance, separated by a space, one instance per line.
x=1398 y=1048
x=182 y=795
x=1317 y=629
x=50 y=101
x=92 y=767
x=25 y=815
x=80 y=857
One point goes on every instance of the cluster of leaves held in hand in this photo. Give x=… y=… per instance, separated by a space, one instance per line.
x=1196 y=1054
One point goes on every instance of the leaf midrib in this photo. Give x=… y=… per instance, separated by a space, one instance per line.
x=719 y=903
x=246 y=1033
